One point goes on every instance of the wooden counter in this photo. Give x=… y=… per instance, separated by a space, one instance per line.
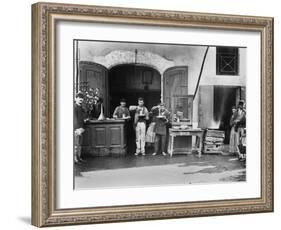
x=104 y=138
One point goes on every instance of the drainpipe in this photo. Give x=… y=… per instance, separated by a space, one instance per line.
x=200 y=74
x=76 y=67
x=162 y=87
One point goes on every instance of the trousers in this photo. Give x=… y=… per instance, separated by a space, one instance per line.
x=140 y=137
x=77 y=146
x=234 y=140
x=160 y=139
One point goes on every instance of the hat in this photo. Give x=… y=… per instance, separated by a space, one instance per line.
x=122 y=100
x=79 y=94
x=241 y=103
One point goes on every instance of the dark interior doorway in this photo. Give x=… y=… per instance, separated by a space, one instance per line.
x=132 y=81
x=224 y=98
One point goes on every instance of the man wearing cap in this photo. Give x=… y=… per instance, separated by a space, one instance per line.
x=141 y=116
x=78 y=119
x=121 y=112
x=161 y=116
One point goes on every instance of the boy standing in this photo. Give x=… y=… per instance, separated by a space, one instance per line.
x=78 y=117
x=141 y=116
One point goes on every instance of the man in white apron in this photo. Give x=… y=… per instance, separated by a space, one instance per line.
x=141 y=116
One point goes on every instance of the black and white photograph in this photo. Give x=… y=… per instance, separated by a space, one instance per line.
x=156 y=114
x=143 y=114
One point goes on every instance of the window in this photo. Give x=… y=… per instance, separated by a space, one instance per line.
x=227 y=61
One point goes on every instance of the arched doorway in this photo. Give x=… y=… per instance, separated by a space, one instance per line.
x=131 y=81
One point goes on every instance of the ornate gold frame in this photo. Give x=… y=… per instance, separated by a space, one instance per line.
x=44 y=16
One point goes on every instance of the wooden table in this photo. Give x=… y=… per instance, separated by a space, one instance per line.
x=174 y=133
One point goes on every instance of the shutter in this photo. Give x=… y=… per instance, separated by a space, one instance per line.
x=175 y=91
x=93 y=75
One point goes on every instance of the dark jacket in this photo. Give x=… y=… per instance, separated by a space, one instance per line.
x=160 y=123
x=78 y=117
x=241 y=119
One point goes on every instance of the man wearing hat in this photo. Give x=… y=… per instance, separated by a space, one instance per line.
x=78 y=120
x=161 y=117
x=240 y=123
x=121 y=112
x=141 y=116
x=234 y=136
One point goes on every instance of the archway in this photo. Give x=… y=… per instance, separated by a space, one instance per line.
x=131 y=81
x=121 y=57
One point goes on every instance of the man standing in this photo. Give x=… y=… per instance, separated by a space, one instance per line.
x=121 y=111
x=78 y=117
x=141 y=116
x=234 y=136
x=162 y=116
x=240 y=125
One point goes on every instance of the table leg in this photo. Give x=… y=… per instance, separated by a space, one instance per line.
x=200 y=145
x=169 y=145
x=172 y=145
